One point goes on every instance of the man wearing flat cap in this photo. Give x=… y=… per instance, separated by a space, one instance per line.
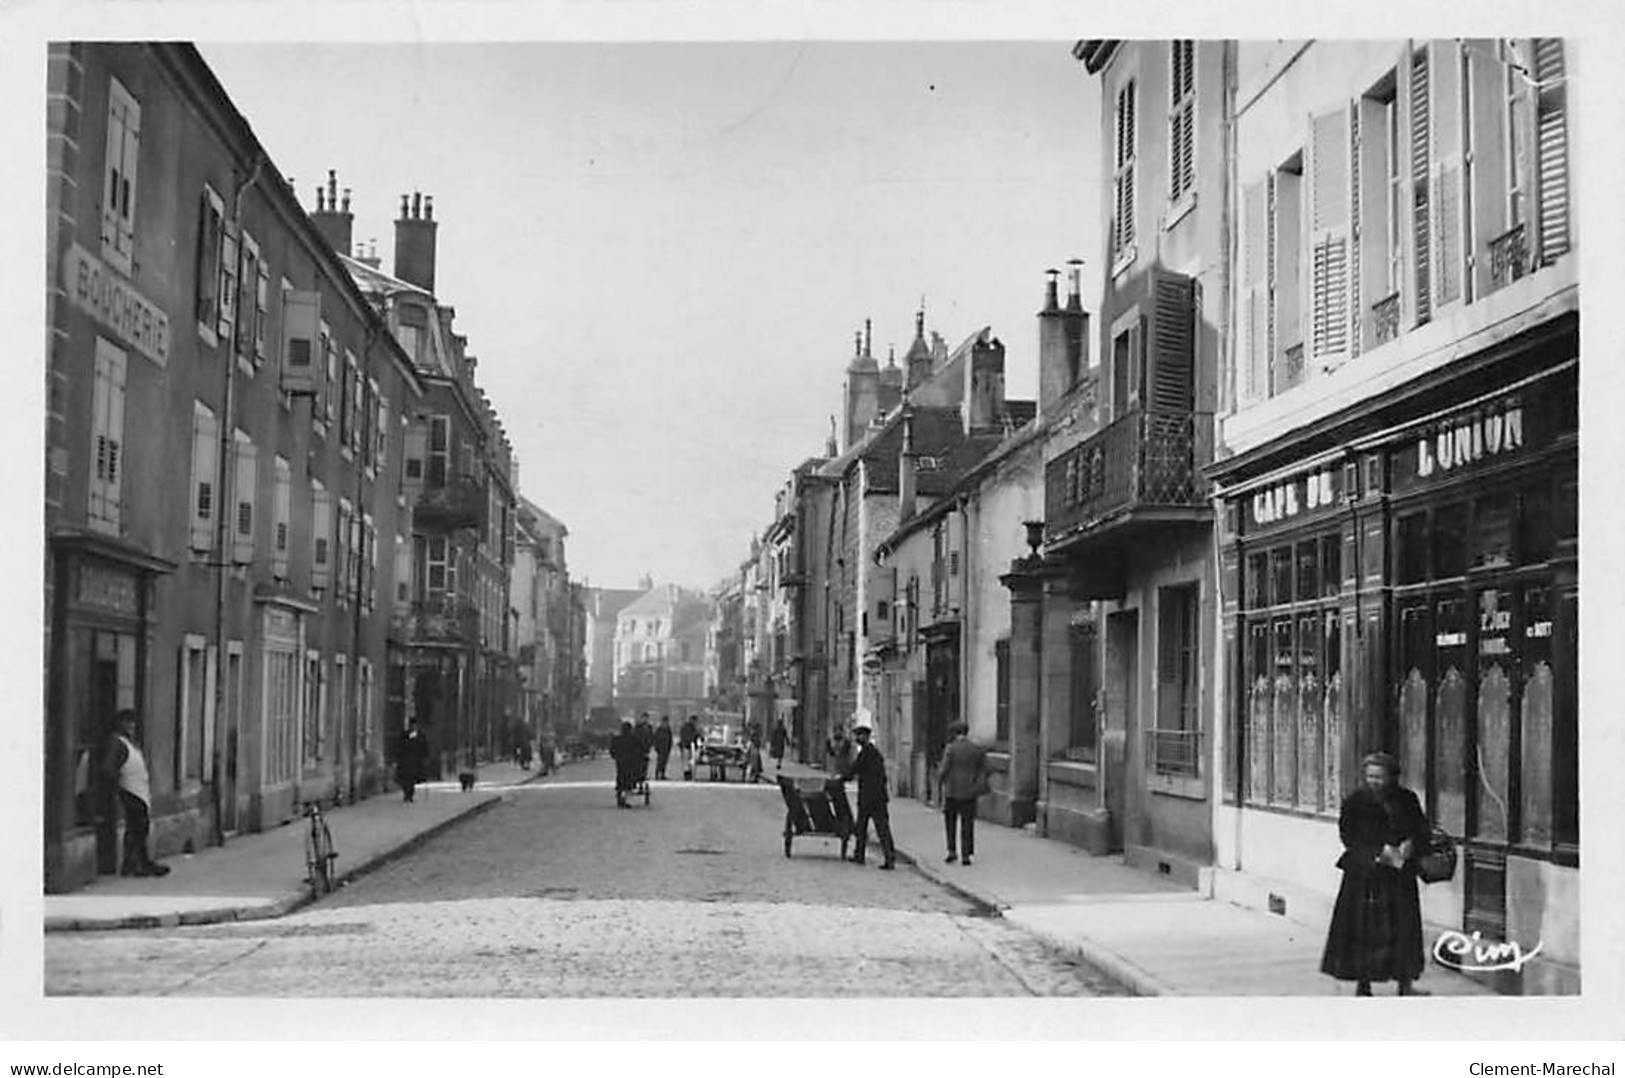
x=870 y=769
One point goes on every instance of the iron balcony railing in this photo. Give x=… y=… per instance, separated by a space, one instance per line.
x=1509 y=256
x=1385 y=319
x=460 y=503
x=444 y=621
x=1145 y=459
x=1174 y=752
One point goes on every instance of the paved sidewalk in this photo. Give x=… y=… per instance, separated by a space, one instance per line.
x=1155 y=937
x=262 y=875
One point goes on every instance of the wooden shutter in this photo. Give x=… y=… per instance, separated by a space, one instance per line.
x=403 y=574
x=114 y=476
x=1552 y=148
x=1329 y=223
x=107 y=432
x=321 y=528
x=1287 y=275
x=1421 y=145
x=380 y=451
x=1356 y=293
x=228 y=287
x=262 y=290
x=1254 y=292
x=118 y=202
x=210 y=214
x=1372 y=226
x=301 y=319
x=280 y=512
x=1447 y=173
x=113 y=170
x=248 y=275
x=1171 y=341
x=205 y=469
x=242 y=523
x=131 y=159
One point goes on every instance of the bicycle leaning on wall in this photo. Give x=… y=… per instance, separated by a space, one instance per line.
x=319 y=853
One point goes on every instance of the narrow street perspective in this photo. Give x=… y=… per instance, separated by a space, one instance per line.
x=555 y=893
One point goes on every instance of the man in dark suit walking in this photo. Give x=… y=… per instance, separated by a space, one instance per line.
x=870 y=769
x=962 y=777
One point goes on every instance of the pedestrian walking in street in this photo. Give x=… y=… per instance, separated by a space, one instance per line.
x=625 y=749
x=124 y=768
x=962 y=777
x=869 y=767
x=687 y=737
x=411 y=760
x=1376 y=928
x=662 y=746
x=776 y=742
x=645 y=733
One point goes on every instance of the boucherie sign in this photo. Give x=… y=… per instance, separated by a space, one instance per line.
x=1466 y=440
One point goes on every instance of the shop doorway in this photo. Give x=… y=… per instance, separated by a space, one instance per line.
x=1116 y=746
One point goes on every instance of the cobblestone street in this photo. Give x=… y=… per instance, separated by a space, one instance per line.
x=555 y=892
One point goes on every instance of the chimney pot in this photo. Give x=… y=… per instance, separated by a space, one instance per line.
x=321 y=206
x=403 y=207
x=332 y=188
x=867 y=327
x=428 y=207
x=1052 y=300
x=346 y=200
x=417 y=205
x=1074 y=273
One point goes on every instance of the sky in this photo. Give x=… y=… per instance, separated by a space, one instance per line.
x=660 y=252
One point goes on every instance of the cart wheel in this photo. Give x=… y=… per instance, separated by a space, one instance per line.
x=787 y=844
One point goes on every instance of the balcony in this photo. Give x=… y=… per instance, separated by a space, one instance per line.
x=1174 y=752
x=1385 y=319
x=1509 y=256
x=461 y=503
x=1140 y=470
x=443 y=621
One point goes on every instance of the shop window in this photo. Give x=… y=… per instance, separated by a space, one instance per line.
x=1498 y=654
x=1258 y=698
x=1450 y=541
x=1257 y=583
x=1281 y=575
x=1331 y=566
x=1283 y=712
x=1450 y=715
x=1308 y=555
x=1535 y=722
x=1410 y=549
x=1493 y=517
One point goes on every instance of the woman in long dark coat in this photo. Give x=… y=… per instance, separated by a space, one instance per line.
x=411 y=760
x=1376 y=929
x=624 y=750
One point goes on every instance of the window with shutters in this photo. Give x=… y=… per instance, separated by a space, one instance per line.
x=205 y=477
x=356 y=403
x=437 y=567
x=363 y=712
x=1123 y=166
x=262 y=311
x=245 y=495
x=1001 y=690
x=369 y=563
x=1182 y=122
x=403 y=574
x=210 y=233
x=1446 y=172
x=372 y=426
x=343 y=563
x=250 y=297
x=438 y=462
x=321 y=542
x=281 y=512
x=107 y=438
x=119 y=171
x=226 y=324
x=1329 y=225
x=1379 y=215
x=1286 y=276
x=322 y=377
x=380 y=445
x=1177 y=657
x=1083 y=691
x=1128 y=367
x=338 y=708
x=303 y=339
x=1421 y=215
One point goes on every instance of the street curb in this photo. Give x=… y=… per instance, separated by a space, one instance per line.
x=270 y=910
x=1109 y=962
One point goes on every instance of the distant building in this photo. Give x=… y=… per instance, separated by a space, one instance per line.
x=660 y=653
x=602 y=609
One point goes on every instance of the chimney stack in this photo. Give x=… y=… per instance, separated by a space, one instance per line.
x=918 y=358
x=1062 y=341
x=983 y=408
x=331 y=220
x=415 y=242
x=907 y=479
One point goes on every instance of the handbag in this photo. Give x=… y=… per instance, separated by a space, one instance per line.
x=1436 y=863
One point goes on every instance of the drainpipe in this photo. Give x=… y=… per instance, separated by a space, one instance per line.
x=1227 y=355
x=369 y=337
x=225 y=481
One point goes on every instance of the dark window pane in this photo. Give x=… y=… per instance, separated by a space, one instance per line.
x=1450 y=715
x=1281 y=575
x=1450 y=541
x=1258 y=581
x=1410 y=549
x=1492 y=531
x=1536 y=528
x=1308 y=570
x=1331 y=566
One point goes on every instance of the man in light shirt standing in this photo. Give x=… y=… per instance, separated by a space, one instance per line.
x=125 y=768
